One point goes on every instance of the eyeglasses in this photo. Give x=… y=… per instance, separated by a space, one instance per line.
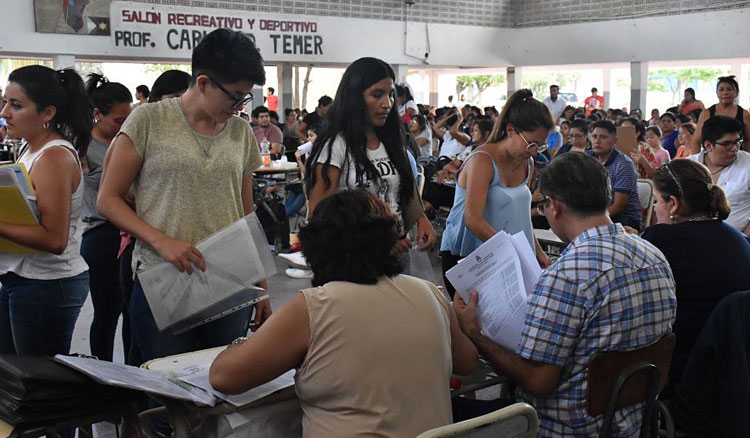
x=730 y=144
x=236 y=102
x=676 y=181
x=533 y=145
x=542 y=205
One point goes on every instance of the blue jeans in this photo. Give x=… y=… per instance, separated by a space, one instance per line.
x=153 y=344
x=37 y=317
x=99 y=248
x=293 y=202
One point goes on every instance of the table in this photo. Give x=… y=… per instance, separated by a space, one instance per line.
x=548 y=239
x=278 y=415
x=290 y=173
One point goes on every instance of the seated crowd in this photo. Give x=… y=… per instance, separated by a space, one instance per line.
x=374 y=348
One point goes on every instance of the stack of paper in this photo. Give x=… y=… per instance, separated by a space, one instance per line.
x=18 y=202
x=503 y=271
x=236 y=258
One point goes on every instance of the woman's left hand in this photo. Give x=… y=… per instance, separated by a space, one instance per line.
x=425 y=233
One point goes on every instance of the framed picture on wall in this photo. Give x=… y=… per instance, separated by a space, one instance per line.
x=81 y=17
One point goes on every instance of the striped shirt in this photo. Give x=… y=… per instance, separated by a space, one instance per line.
x=609 y=291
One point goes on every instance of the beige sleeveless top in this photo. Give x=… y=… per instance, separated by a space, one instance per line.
x=379 y=360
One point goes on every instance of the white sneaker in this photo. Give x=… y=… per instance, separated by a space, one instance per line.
x=295 y=258
x=299 y=273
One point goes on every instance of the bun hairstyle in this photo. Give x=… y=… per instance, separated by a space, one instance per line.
x=104 y=95
x=690 y=182
x=64 y=90
x=524 y=112
x=728 y=80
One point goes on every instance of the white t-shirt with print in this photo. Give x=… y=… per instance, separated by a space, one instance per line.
x=386 y=189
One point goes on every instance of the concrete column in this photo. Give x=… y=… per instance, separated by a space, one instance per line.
x=736 y=70
x=63 y=61
x=401 y=72
x=432 y=76
x=514 y=75
x=258 y=93
x=639 y=87
x=606 y=85
x=284 y=72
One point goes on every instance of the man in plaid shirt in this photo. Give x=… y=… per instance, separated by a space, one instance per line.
x=609 y=290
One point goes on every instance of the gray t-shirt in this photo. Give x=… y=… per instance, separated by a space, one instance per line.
x=95 y=157
x=189 y=186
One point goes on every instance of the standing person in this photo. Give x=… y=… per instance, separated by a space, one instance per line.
x=171 y=83
x=272 y=100
x=727 y=90
x=690 y=103
x=168 y=151
x=593 y=102
x=42 y=294
x=141 y=95
x=315 y=118
x=492 y=186
x=407 y=109
x=362 y=146
x=101 y=238
x=554 y=102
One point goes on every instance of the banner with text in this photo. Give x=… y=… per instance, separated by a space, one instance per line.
x=142 y=29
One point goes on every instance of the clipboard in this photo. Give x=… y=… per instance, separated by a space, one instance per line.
x=627 y=141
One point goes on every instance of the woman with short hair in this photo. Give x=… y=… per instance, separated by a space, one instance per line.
x=373 y=349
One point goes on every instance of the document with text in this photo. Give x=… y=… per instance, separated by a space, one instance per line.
x=502 y=271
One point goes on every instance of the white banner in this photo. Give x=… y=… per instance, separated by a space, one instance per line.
x=165 y=31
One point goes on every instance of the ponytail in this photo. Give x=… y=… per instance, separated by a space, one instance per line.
x=74 y=118
x=64 y=90
x=104 y=95
x=719 y=204
x=524 y=112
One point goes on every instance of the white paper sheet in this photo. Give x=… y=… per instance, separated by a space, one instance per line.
x=494 y=271
x=125 y=376
x=530 y=269
x=198 y=376
x=233 y=262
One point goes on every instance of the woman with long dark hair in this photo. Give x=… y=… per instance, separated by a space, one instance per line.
x=112 y=104
x=42 y=293
x=362 y=146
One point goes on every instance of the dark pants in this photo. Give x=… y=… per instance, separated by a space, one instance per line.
x=99 y=248
x=132 y=356
x=153 y=344
x=37 y=317
x=448 y=261
x=465 y=409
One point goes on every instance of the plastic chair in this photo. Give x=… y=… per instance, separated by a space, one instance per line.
x=646 y=197
x=617 y=379
x=515 y=421
x=420 y=179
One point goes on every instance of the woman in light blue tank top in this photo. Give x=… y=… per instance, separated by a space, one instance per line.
x=492 y=190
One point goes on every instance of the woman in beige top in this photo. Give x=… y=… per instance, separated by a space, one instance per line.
x=374 y=350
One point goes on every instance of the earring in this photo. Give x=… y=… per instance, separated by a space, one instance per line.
x=45 y=125
x=672 y=216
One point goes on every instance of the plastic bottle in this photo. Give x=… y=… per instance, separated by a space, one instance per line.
x=265 y=152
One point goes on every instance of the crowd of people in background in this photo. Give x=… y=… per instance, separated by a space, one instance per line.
x=121 y=187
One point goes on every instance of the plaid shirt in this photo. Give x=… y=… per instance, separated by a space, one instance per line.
x=608 y=291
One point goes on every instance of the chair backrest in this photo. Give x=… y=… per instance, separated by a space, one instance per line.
x=420 y=179
x=515 y=421
x=435 y=147
x=646 y=197
x=617 y=379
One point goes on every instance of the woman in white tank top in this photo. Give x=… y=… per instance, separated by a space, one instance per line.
x=42 y=292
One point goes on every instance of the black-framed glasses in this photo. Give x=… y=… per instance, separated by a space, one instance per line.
x=542 y=205
x=237 y=102
x=533 y=145
x=730 y=144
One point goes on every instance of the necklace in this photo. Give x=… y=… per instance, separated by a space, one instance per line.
x=700 y=219
x=206 y=151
